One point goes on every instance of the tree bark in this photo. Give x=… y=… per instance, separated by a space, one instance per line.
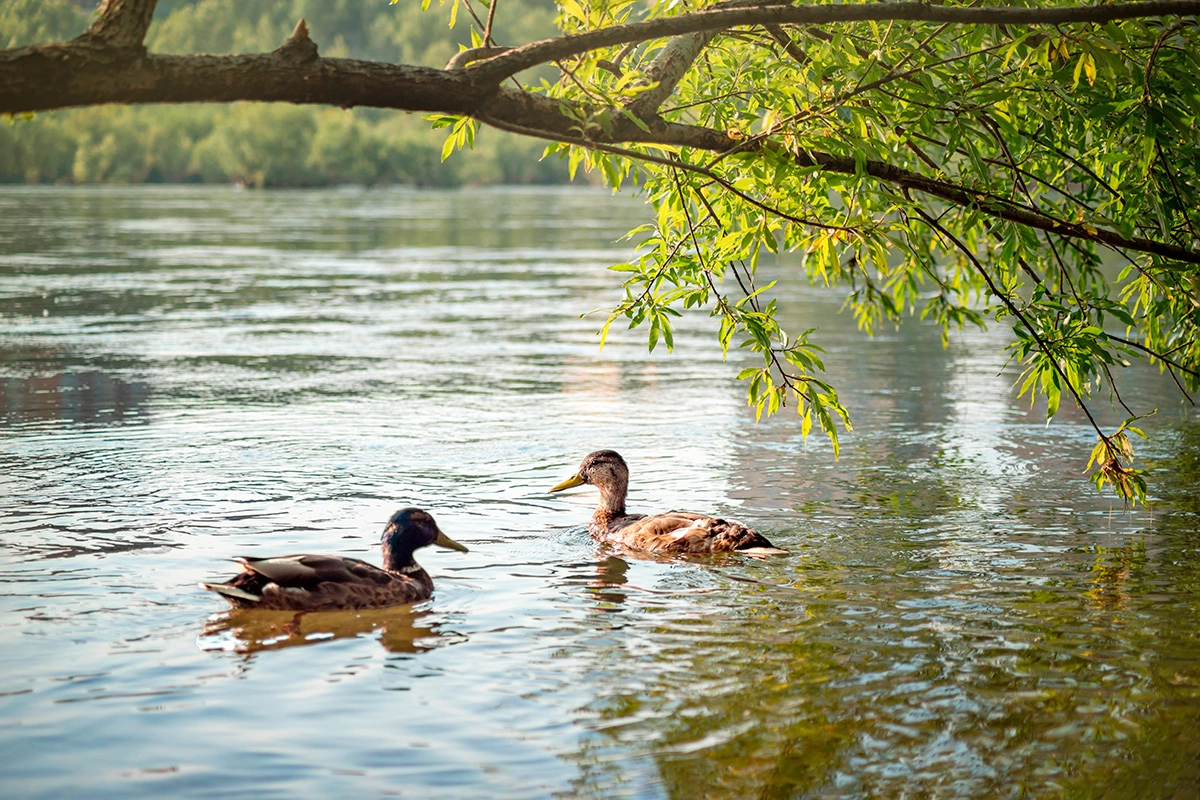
x=107 y=64
x=530 y=55
x=121 y=24
x=65 y=75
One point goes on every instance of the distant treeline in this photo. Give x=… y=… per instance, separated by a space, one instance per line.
x=257 y=145
x=265 y=144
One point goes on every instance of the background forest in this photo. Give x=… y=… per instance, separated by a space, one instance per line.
x=265 y=144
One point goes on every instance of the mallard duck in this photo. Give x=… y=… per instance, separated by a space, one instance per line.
x=325 y=583
x=672 y=532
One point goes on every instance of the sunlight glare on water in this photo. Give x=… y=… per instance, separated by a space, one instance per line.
x=191 y=373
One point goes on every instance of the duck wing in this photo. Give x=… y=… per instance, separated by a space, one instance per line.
x=308 y=571
x=319 y=583
x=688 y=532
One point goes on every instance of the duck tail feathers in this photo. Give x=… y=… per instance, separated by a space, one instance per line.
x=230 y=591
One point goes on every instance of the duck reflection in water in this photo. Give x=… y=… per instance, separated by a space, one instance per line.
x=401 y=629
x=607 y=581
x=606 y=586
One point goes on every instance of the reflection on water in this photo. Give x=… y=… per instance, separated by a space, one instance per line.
x=41 y=387
x=190 y=373
x=399 y=629
x=82 y=398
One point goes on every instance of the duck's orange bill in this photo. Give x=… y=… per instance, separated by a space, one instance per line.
x=574 y=480
x=445 y=541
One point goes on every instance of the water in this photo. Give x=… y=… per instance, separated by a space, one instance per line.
x=194 y=373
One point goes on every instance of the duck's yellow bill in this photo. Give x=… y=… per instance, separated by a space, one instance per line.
x=574 y=480
x=445 y=541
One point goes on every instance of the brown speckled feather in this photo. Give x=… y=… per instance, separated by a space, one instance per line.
x=323 y=583
x=672 y=532
x=327 y=583
x=679 y=532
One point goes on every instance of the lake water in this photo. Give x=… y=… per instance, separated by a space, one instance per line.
x=192 y=373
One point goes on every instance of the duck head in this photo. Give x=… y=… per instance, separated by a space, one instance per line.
x=410 y=529
x=608 y=472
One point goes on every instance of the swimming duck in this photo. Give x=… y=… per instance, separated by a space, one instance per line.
x=672 y=532
x=324 y=583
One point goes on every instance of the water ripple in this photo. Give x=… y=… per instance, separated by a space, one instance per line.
x=189 y=374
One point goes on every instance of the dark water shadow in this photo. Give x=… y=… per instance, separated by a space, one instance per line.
x=62 y=392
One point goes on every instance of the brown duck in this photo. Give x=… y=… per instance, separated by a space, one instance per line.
x=672 y=532
x=326 y=583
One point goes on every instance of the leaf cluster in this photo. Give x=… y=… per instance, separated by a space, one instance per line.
x=1080 y=128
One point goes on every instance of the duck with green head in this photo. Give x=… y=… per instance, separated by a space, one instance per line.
x=326 y=583
x=672 y=532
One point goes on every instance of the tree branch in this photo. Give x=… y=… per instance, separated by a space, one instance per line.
x=667 y=69
x=1012 y=308
x=520 y=58
x=791 y=48
x=1153 y=354
x=121 y=23
x=994 y=206
x=674 y=60
x=491 y=17
x=62 y=75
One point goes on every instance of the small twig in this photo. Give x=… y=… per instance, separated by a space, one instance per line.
x=706 y=101
x=791 y=48
x=1016 y=312
x=470 y=10
x=487 y=31
x=1113 y=383
x=1183 y=208
x=614 y=66
x=586 y=91
x=1170 y=29
x=1160 y=356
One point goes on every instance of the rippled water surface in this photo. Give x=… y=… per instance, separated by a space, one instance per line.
x=192 y=373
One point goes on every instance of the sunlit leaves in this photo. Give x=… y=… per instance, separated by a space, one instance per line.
x=1110 y=457
x=1088 y=127
x=462 y=132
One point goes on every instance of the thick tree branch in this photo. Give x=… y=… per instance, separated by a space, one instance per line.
x=60 y=76
x=667 y=69
x=500 y=67
x=538 y=112
x=57 y=76
x=121 y=23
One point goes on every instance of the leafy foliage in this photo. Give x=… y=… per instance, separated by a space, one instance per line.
x=24 y=22
x=1087 y=127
